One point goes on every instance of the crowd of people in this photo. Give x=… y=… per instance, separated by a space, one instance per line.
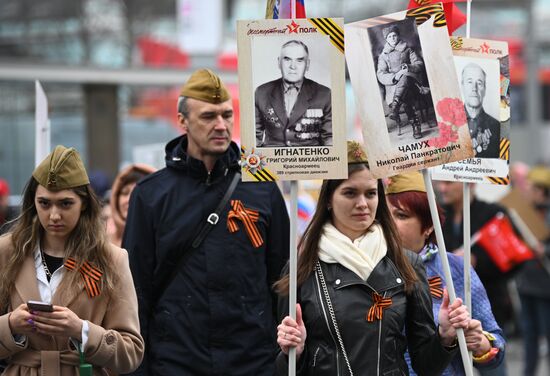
x=183 y=270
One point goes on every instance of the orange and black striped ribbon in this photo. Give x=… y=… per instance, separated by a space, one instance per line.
x=436 y=286
x=248 y=217
x=457 y=43
x=424 y=13
x=90 y=274
x=377 y=309
x=329 y=27
x=503 y=154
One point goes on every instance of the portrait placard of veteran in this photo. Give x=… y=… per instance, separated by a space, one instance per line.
x=401 y=73
x=293 y=110
x=484 y=128
x=407 y=91
x=292 y=99
x=483 y=72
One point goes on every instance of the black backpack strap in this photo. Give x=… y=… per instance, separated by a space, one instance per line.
x=174 y=262
x=214 y=217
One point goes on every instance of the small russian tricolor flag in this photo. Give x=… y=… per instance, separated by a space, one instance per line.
x=281 y=9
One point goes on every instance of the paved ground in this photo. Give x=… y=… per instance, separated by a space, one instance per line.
x=514 y=359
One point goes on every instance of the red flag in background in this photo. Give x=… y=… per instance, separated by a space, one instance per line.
x=501 y=243
x=455 y=18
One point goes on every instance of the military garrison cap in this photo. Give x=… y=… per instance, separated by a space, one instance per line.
x=539 y=175
x=356 y=153
x=62 y=169
x=206 y=86
x=411 y=181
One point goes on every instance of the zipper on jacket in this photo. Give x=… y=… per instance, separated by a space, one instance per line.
x=208 y=178
x=379 y=341
x=321 y=299
x=315 y=356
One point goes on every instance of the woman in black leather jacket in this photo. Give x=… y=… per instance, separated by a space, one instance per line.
x=378 y=297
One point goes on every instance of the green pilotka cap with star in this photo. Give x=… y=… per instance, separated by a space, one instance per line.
x=61 y=169
x=205 y=86
x=356 y=153
x=406 y=182
x=539 y=175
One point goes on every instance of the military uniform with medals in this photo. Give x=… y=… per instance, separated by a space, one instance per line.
x=308 y=123
x=485 y=134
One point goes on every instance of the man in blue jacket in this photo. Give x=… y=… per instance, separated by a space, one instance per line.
x=216 y=316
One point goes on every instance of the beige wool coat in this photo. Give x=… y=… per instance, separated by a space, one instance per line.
x=114 y=341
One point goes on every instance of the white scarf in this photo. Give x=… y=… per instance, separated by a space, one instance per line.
x=359 y=256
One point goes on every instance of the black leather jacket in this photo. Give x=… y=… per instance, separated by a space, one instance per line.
x=373 y=348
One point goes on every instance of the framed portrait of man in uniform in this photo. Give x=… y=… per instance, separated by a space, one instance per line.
x=291 y=75
x=292 y=96
x=406 y=92
x=403 y=81
x=483 y=72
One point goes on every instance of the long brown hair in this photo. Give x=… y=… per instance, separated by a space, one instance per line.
x=87 y=242
x=308 y=245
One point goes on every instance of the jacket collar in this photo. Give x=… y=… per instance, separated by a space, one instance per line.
x=64 y=298
x=384 y=276
x=177 y=158
x=399 y=47
x=25 y=282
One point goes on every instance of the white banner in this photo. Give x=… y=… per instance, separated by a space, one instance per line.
x=42 y=125
x=200 y=26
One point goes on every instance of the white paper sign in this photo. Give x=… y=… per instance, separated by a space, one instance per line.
x=41 y=125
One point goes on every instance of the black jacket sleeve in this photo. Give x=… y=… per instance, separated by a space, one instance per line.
x=139 y=240
x=428 y=355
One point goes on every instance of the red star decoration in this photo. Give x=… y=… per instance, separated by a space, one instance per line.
x=484 y=48
x=293 y=27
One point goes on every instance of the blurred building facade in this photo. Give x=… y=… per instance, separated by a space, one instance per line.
x=112 y=69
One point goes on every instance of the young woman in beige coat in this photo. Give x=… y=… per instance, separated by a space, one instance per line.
x=57 y=253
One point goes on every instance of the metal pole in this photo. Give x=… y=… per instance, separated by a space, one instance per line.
x=293 y=266
x=468 y=17
x=533 y=97
x=446 y=268
x=466 y=215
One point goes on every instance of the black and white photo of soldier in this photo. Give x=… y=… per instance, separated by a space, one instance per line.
x=293 y=110
x=484 y=128
x=402 y=77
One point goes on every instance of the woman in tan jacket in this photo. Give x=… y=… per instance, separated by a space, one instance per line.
x=57 y=252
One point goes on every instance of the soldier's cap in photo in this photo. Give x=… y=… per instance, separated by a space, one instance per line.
x=390 y=29
x=205 y=86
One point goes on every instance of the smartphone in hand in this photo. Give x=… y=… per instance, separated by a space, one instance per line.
x=34 y=305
